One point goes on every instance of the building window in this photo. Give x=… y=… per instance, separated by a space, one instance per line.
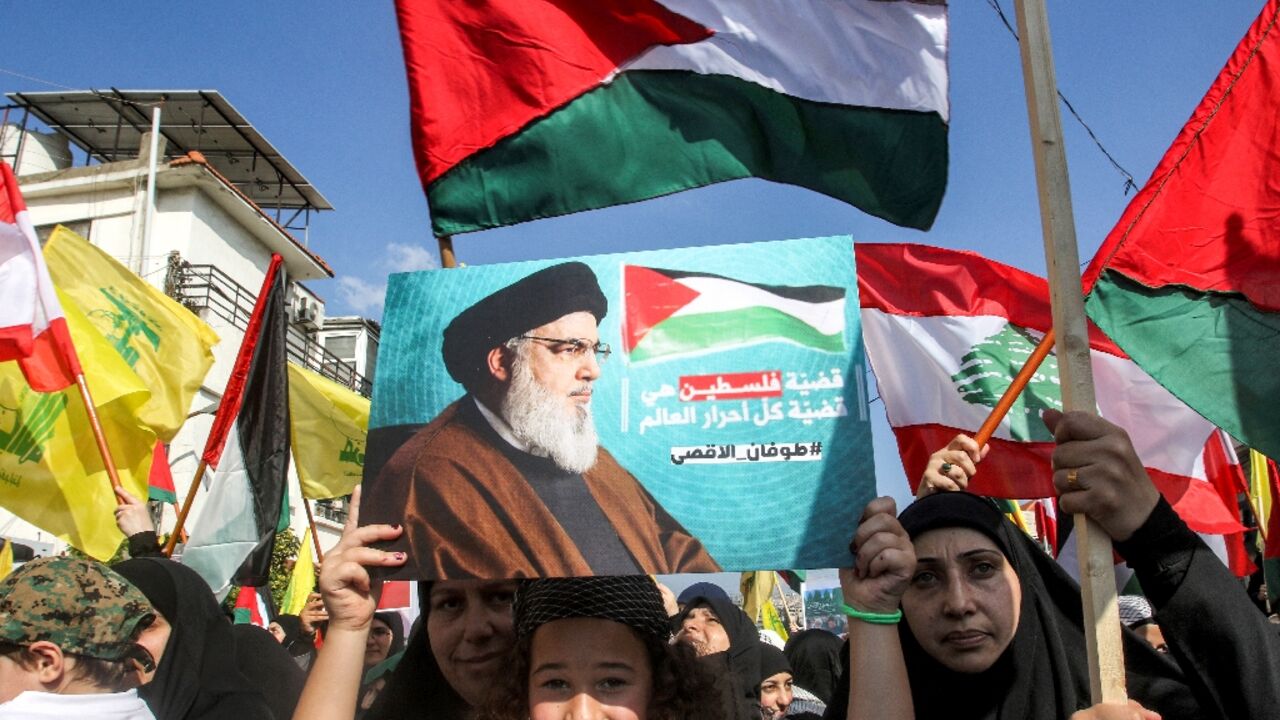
x=79 y=227
x=343 y=347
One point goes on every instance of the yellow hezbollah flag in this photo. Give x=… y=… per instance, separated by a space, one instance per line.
x=329 y=427
x=165 y=343
x=6 y=558
x=50 y=472
x=302 y=581
x=757 y=587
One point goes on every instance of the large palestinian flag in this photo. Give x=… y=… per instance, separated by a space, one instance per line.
x=248 y=449
x=1188 y=282
x=672 y=313
x=946 y=331
x=525 y=109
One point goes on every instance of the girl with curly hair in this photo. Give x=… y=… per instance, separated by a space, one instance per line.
x=600 y=647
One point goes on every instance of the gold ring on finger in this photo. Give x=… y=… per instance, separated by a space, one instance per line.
x=1073 y=480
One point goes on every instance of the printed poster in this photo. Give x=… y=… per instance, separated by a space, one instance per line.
x=687 y=410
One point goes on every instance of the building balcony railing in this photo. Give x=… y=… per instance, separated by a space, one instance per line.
x=205 y=287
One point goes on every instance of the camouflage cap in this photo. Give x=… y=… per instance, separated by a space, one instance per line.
x=81 y=606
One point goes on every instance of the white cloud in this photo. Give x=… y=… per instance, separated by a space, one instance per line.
x=362 y=296
x=402 y=257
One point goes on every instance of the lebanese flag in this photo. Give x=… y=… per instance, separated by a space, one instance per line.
x=525 y=109
x=947 y=330
x=33 y=330
x=248 y=451
x=671 y=313
x=1186 y=282
x=252 y=607
x=1222 y=465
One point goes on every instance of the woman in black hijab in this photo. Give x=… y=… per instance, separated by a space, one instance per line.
x=993 y=626
x=726 y=639
x=814 y=656
x=197 y=679
x=264 y=661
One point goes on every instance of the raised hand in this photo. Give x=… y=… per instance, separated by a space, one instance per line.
x=350 y=595
x=950 y=468
x=884 y=560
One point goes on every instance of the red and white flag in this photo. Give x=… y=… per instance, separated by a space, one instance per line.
x=947 y=330
x=33 y=330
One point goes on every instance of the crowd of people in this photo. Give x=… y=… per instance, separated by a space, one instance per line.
x=953 y=612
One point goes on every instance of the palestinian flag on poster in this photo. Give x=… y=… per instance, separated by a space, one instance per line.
x=248 y=450
x=526 y=109
x=1187 y=282
x=672 y=313
x=947 y=330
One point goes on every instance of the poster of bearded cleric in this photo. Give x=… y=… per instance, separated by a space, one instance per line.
x=668 y=411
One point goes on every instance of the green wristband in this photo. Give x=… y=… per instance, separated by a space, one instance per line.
x=892 y=618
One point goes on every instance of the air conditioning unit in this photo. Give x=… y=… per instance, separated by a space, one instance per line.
x=306 y=312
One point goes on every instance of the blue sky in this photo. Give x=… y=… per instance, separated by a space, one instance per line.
x=324 y=82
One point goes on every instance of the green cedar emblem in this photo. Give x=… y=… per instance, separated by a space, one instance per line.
x=129 y=323
x=989 y=368
x=25 y=429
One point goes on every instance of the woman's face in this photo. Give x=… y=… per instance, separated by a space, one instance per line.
x=776 y=694
x=964 y=599
x=378 y=643
x=154 y=638
x=702 y=629
x=588 y=669
x=469 y=622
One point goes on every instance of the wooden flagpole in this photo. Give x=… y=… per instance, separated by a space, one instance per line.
x=186 y=509
x=1097 y=572
x=782 y=599
x=105 y=452
x=447 y=258
x=311 y=520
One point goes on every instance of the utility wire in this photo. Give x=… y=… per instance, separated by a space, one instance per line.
x=104 y=95
x=1129 y=183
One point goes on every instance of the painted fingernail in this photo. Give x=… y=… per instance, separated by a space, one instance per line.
x=395 y=526
x=399 y=556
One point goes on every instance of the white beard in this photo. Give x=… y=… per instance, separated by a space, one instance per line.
x=539 y=419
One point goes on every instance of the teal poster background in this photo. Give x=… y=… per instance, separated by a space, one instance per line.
x=769 y=472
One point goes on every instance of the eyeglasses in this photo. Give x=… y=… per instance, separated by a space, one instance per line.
x=576 y=347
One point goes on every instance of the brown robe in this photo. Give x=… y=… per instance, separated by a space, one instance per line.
x=468 y=512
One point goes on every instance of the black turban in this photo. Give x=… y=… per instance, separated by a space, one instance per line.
x=533 y=301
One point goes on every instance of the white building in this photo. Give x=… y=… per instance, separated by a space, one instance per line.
x=225 y=200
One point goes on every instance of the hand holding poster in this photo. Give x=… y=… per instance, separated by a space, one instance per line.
x=667 y=411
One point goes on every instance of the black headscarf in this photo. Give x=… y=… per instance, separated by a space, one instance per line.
x=1043 y=675
x=394 y=621
x=815 y=661
x=417 y=687
x=197 y=678
x=268 y=665
x=741 y=662
x=772 y=662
